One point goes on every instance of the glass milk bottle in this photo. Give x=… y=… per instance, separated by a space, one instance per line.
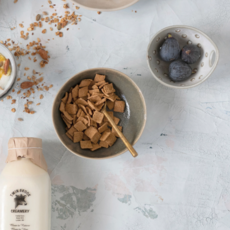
x=25 y=190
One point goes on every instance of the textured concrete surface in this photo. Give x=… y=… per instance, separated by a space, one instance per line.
x=181 y=178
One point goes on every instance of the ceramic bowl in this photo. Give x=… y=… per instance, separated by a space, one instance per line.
x=7 y=54
x=133 y=119
x=105 y=5
x=203 y=68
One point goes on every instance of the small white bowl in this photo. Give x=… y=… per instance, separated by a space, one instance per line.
x=7 y=54
x=105 y=5
x=204 y=67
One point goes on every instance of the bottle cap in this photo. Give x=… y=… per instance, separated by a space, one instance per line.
x=26 y=147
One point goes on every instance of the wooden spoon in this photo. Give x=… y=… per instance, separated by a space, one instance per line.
x=120 y=134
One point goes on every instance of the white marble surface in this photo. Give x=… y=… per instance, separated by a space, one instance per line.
x=181 y=178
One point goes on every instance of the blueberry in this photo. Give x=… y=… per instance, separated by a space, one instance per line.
x=179 y=71
x=170 y=50
x=190 y=54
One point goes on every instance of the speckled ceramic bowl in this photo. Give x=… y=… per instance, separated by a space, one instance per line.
x=7 y=54
x=203 y=68
x=105 y=5
x=133 y=119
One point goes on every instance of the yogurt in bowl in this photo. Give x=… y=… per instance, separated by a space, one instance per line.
x=7 y=70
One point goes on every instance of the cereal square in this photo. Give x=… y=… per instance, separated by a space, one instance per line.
x=81 y=101
x=86 y=144
x=110 y=104
x=119 y=106
x=99 y=77
x=110 y=114
x=105 y=135
x=77 y=136
x=109 y=88
x=67 y=115
x=62 y=107
x=65 y=98
x=104 y=144
x=71 y=108
x=103 y=127
x=96 y=138
x=90 y=132
x=69 y=98
x=80 y=126
x=116 y=120
x=85 y=82
x=85 y=138
x=71 y=131
x=98 y=117
x=111 y=139
x=95 y=147
x=83 y=92
x=75 y=92
x=69 y=136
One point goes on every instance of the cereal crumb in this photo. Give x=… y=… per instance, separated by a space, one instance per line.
x=20 y=119
x=41 y=96
x=13 y=110
x=38 y=104
x=13 y=101
x=8 y=97
x=98 y=12
x=44 y=31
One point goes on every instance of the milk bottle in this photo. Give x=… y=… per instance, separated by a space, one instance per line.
x=25 y=189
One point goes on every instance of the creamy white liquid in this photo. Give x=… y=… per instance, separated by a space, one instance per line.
x=25 y=197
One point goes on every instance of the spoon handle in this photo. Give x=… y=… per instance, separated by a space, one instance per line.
x=121 y=135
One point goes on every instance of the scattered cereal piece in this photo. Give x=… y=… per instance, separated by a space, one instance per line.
x=44 y=31
x=41 y=96
x=13 y=110
x=38 y=17
x=20 y=119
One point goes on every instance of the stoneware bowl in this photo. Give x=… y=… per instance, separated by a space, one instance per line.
x=133 y=119
x=105 y=5
x=7 y=54
x=185 y=35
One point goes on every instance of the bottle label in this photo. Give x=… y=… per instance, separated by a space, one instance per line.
x=21 y=198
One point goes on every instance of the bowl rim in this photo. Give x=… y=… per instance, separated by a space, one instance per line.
x=140 y=94
x=187 y=27
x=13 y=71
x=106 y=10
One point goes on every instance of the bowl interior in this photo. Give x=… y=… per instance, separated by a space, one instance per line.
x=105 y=5
x=185 y=35
x=7 y=54
x=132 y=120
